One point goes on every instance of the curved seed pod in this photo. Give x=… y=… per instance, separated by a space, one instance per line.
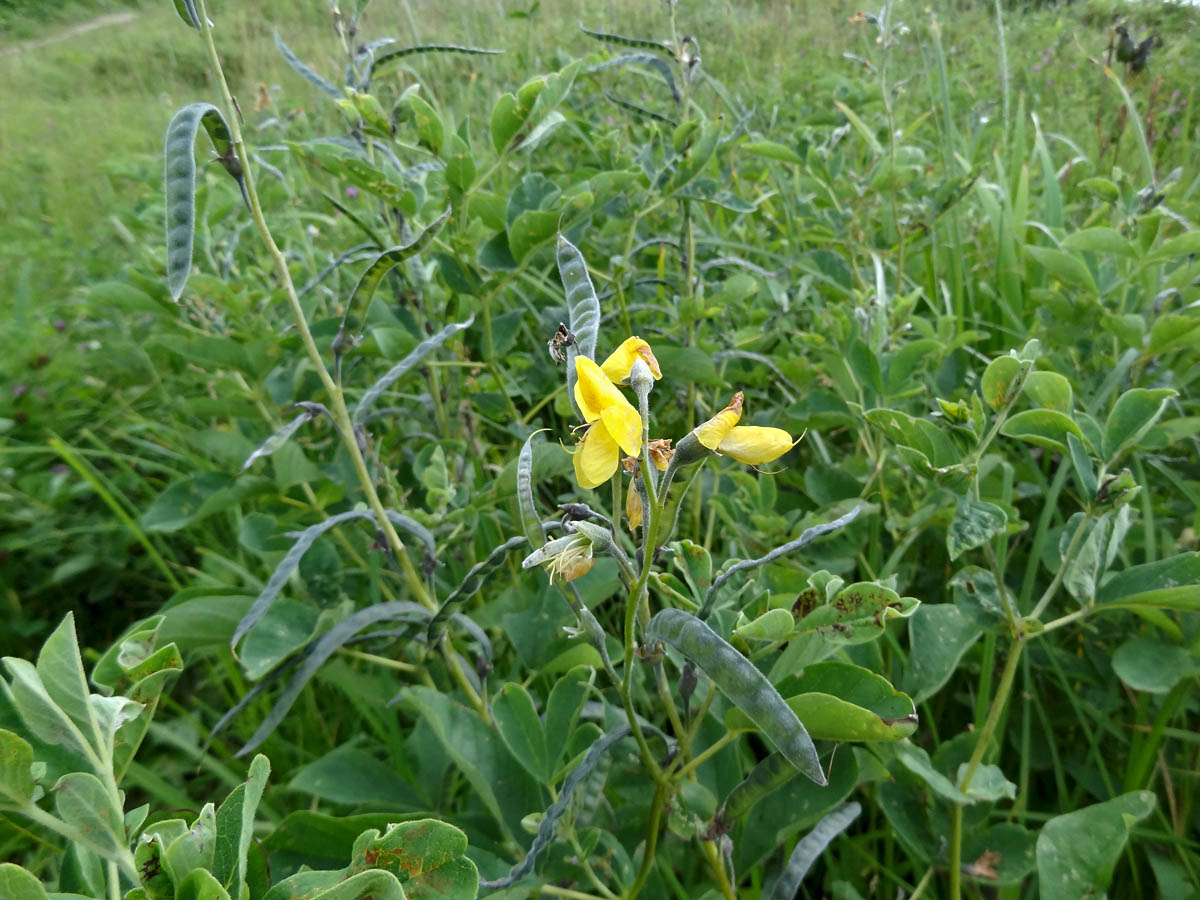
x=392 y=56
x=555 y=811
x=622 y=40
x=645 y=59
x=321 y=649
x=414 y=529
x=742 y=683
x=187 y=12
x=640 y=110
x=811 y=846
x=305 y=72
x=368 y=282
x=765 y=778
x=423 y=349
x=531 y=524
x=807 y=537
x=470 y=584
x=180 y=182
x=583 y=309
x=354 y=254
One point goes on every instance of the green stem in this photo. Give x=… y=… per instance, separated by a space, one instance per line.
x=1067 y=559
x=656 y=810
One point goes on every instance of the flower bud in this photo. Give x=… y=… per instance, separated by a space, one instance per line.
x=641 y=378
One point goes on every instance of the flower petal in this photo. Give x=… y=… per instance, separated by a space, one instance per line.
x=596 y=458
x=755 y=445
x=712 y=432
x=620 y=363
x=594 y=390
x=625 y=426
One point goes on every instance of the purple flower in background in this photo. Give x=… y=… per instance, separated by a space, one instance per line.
x=352 y=192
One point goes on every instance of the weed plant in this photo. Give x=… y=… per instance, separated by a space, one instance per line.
x=627 y=465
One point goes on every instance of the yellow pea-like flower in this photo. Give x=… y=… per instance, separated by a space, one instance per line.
x=712 y=432
x=615 y=424
x=755 y=444
x=620 y=363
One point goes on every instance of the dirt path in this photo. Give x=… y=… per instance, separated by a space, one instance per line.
x=117 y=18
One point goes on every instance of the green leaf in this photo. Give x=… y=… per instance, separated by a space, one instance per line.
x=939 y=634
x=354 y=777
x=200 y=884
x=507 y=118
x=187 y=12
x=460 y=164
x=1010 y=850
x=40 y=713
x=1172 y=332
x=180 y=181
x=697 y=157
x=1045 y=427
x=773 y=625
x=1128 y=585
x=426 y=856
x=16 y=781
x=1100 y=240
x=917 y=761
x=84 y=804
x=1064 y=266
x=1186 y=244
x=772 y=150
x=372 y=276
x=195 y=848
x=1134 y=413
x=919 y=434
x=372 y=394
x=1150 y=665
x=60 y=668
x=988 y=783
x=975 y=523
x=505 y=790
x=373 y=883
x=188 y=500
x=863 y=131
x=809 y=849
x=583 y=310
x=738 y=679
x=1076 y=852
x=430 y=130
x=530 y=230
x=562 y=710
x=1002 y=380
x=18 y=884
x=521 y=730
x=856 y=614
x=1049 y=390
x=235 y=828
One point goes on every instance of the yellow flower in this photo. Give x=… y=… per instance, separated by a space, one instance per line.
x=749 y=444
x=618 y=366
x=614 y=424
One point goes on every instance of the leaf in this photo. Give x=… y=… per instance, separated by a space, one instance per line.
x=40 y=713
x=987 y=784
x=521 y=730
x=200 y=884
x=470 y=585
x=1076 y=852
x=939 y=634
x=562 y=710
x=1186 y=244
x=645 y=59
x=1049 y=390
x=856 y=614
x=410 y=362
x=622 y=40
x=806 y=537
x=235 y=828
x=360 y=299
x=1066 y=267
x=554 y=812
x=583 y=310
x=278 y=439
x=180 y=181
x=1085 y=567
x=192 y=498
x=1182 y=570
x=426 y=856
x=975 y=523
x=354 y=777
x=772 y=150
x=373 y=883
x=1045 y=427
x=1002 y=381
x=305 y=72
x=18 y=884
x=84 y=804
x=863 y=131
x=60 y=669
x=187 y=12
x=507 y=118
x=739 y=680
x=320 y=650
x=195 y=848
x=460 y=164
x=697 y=157
x=809 y=849
x=1000 y=854
x=505 y=790
x=773 y=625
x=16 y=781
x=1134 y=413
x=1100 y=240
x=917 y=761
x=1150 y=665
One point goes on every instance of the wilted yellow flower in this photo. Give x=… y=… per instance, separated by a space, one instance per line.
x=749 y=444
x=565 y=558
x=614 y=424
x=633 y=504
x=620 y=363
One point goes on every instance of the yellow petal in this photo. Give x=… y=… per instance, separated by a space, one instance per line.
x=755 y=445
x=618 y=366
x=712 y=432
x=594 y=391
x=625 y=426
x=596 y=458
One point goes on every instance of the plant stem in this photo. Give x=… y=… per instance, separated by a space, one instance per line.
x=656 y=809
x=718 y=869
x=1067 y=559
